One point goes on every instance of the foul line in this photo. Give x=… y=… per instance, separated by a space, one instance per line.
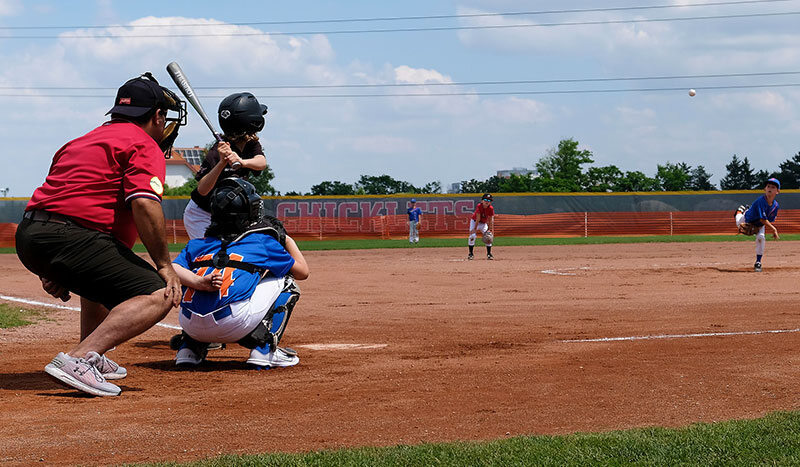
x=557 y=272
x=64 y=307
x=680 y=336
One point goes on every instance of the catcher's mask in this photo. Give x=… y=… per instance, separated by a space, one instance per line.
x=241 y=114
x=174 y=122
x=235 y=206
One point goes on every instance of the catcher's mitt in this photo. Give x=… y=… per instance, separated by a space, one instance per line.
x=746 y=228
x=272 y=226
x=488 y=237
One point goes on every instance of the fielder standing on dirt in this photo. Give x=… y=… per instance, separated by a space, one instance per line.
x=414 y=216
x=78 y=229
x=752 y=220
x=480 y=222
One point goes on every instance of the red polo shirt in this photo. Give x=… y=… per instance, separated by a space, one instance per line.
x=93 y=179
x=482 y=214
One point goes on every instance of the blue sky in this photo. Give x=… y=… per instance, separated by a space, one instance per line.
x=417 y=139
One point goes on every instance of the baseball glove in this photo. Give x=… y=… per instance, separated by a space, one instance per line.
x=746 y=228
x=272 y=226
x=488 y=237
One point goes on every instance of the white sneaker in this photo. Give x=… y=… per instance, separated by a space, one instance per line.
x=188 y=357
x=262 y=357
x=107 y=367
x=80 y=374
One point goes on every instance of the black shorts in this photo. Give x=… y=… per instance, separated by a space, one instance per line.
x=89 y=263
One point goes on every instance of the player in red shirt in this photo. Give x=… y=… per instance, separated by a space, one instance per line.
x=482 y=221
x=102 y=190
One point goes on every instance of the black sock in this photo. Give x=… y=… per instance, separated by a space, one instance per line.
x=488 y=250
x=471 y=247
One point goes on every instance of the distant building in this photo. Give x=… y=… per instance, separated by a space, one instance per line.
x=454 y=188
x=182 y=165
x=515 y=171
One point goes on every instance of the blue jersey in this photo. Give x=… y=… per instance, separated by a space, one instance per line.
x=257 y=248
x=414 y=213
x=761 y=210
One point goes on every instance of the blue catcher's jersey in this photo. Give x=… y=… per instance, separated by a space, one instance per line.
x=257 y=248
x=760 y=210
x=413 y=214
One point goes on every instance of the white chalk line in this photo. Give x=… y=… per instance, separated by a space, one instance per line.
x=379 y=346
x=681 y=336
x=558 y=272
x=65 y=307
x=170 y=326
x=341 y=346
x=565 y=271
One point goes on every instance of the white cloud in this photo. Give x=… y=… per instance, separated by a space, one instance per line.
x=763 y=103
x=406 y=74
x=630 y=115
x=10 y=7
x=517 y=110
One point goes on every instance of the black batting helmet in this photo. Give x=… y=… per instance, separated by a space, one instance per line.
x=235 y=207
x=240 y=114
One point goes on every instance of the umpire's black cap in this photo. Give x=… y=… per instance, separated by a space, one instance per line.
x=138 y=96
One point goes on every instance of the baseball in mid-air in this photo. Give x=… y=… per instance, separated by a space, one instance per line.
x=692 y=92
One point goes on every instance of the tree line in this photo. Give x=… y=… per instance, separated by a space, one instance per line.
x=560 y=170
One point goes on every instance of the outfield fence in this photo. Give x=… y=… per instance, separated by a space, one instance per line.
x=517 y=214
x=568 y=224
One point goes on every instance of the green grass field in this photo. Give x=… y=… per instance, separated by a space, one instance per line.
x=13 y=316
x=771 y=440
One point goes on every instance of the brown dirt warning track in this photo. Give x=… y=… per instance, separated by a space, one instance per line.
x=411 y=346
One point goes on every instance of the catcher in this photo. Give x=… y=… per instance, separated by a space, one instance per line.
x=238 y=281
x=480 y=222
x=752 y=220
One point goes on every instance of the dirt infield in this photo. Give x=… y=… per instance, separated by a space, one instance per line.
x=410 y=346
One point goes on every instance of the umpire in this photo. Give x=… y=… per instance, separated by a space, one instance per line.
x=79 y=226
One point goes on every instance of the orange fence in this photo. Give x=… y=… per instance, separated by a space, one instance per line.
x=568 y=224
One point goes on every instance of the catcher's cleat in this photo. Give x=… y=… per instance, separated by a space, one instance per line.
x=187 y=357
x=191 y=352
x=471 y=256
x=489 y=256
x=757 y=266
x=262 y=358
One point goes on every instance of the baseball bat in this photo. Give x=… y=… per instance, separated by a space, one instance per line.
x=177 y=75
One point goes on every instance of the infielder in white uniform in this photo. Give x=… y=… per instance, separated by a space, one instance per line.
x=482 y=221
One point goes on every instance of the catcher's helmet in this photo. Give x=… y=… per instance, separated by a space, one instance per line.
x=241 y=113
x=487 y=196
x=235 y=206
